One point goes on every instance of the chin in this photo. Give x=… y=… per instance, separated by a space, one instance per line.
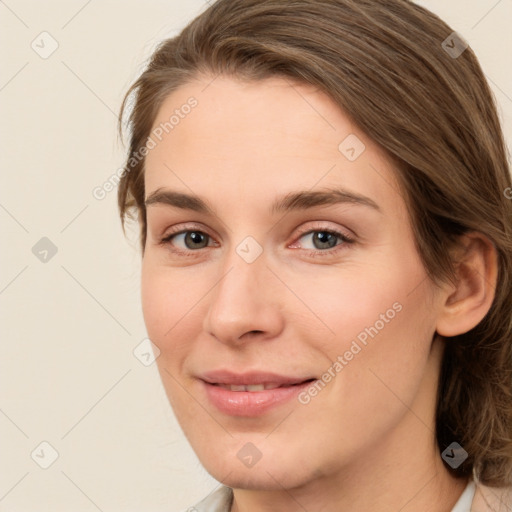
x=261 y=478
x=273 y=472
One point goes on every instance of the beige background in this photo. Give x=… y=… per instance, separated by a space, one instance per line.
x=69 y=325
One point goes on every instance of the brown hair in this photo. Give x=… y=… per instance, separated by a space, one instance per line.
x=385 y=64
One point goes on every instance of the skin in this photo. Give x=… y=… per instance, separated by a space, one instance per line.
x=366 y=441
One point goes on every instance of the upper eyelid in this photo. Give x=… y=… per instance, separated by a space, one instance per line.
x=185 y=228
x=324 y=227
x=199 y=226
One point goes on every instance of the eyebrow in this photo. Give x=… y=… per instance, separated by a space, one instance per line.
x=301 y=200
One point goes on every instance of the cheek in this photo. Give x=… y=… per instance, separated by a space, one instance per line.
x=171 y=306
x=163 y=303
x=155 y=301
x=383 y=320
x=361 y=305
x=385 y=351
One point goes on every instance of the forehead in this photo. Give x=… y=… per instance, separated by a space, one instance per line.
x=252 y=112
x=258 y=139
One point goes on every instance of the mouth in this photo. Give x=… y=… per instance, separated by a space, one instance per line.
x=252 y=393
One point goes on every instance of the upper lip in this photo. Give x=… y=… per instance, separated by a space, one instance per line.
x=250 y=378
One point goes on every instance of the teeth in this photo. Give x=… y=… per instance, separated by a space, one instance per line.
x=250 y=388
x=271 y=386
x=256 y=387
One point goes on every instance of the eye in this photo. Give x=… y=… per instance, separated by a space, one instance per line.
x=190 y=240
x=325 y=240
x=322 y=239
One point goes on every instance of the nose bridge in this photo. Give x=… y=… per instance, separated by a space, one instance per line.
x=244 y=268
x=243 y=299
x=239 y=284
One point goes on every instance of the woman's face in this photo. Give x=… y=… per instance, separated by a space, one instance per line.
x=292 y=269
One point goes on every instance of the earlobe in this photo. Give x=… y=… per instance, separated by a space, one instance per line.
x=469 y=300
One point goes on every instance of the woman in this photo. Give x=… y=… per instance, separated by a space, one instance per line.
x=340 y=339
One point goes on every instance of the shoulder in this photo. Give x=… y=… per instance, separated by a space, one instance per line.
x=492 y=499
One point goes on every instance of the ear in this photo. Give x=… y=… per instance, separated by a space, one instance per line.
x=470 y=298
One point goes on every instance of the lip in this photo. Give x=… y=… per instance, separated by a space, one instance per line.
x=250 y=403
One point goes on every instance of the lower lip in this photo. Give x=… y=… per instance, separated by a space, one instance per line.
x=251 y=403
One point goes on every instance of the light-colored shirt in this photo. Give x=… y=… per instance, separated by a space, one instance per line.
x=466 y=498
x=222 y=499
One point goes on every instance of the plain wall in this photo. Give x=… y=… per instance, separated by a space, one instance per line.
x=69 y=324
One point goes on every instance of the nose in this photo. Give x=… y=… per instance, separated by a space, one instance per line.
x=244 y=304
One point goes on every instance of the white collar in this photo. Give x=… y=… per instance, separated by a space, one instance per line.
x=466 y=498
x=221 y=500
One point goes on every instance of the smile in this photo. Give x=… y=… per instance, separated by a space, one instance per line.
x=250 y=394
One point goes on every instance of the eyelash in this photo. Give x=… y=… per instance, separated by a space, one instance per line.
x=346 y=240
